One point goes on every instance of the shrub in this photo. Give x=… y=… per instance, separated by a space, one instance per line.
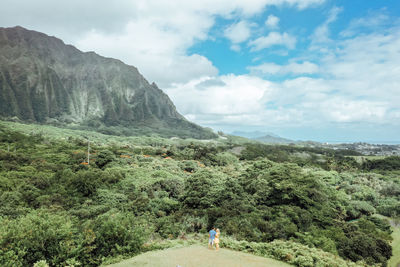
x=103 y=158
x=359 y=208
x=225 y=158
x=290 y=252
x=41 y=263
x=38 y=235
x=116 y=233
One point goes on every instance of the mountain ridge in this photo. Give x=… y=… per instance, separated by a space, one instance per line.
x=44 y=80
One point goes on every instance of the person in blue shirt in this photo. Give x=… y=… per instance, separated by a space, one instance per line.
x=211 y=237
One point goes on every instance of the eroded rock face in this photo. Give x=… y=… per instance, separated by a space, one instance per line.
x=43 y=78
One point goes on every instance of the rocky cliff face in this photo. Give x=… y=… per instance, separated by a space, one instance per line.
x=42 y=80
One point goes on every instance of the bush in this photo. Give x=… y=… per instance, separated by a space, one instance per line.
x=116 y=233
x=357 y=209
x=290 y=252
x=103 y=158
x=37 y=236
x=225 y=158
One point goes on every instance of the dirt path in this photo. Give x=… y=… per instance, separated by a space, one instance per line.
x=197 y=255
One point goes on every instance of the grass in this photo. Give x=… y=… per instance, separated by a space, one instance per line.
x=395 y=259
x=199 y=255
x=58 y=133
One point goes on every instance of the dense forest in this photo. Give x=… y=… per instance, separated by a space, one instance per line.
x=305 y=206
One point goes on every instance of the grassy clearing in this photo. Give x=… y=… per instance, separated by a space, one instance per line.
x=199 y=255
x=395 y=259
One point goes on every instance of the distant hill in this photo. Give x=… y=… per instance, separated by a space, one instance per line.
x=273 y=139
x=265 y=137
x=253 y=134
x=46 y=81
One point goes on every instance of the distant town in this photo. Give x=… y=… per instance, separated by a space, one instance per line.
x=367 y=148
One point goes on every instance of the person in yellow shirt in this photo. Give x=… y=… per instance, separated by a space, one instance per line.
x=216 y=239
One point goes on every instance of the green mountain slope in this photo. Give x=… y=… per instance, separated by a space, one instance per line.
x=43 y=80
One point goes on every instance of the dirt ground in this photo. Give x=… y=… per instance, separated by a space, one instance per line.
x=196 y=255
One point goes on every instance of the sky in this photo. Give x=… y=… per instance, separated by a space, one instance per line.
x=319 y=70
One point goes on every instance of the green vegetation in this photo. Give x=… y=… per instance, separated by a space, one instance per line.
x=294 y=253
x=305 y=206
x=395 y=260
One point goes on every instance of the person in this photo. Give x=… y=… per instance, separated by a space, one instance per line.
x=211 y=237
x=216 y=239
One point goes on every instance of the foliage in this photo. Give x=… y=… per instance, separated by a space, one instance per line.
x=306 y=206
x=388 y=163
x=38 y=236
x=291 y=252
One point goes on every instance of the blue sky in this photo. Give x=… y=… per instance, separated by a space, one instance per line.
x=300 y=23
x=304 y=69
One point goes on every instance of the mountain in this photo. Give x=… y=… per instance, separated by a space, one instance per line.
x=253 y=134
x=273 y=139
x=263 y=137
x=43 y=80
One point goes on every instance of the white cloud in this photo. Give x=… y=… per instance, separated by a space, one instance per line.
x=140 y=46
x=357 y=82
x=300 y=4
x=373 y=21
x=223 y=95
x=273 y=39
x=305 y=67
x=321 y=33
x=340 y=109
x=368 y=66
x=272 y=21
x=238 y=32
x=153 y=35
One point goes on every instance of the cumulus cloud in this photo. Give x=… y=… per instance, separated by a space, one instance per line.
x=231 y=100
x=340 y=109
x=357 y=84
x=238 y=32
x=273 y=39
x=223 y=95
x=272 y=21
x=153 y=35
x=161 y=63
x=368 y=66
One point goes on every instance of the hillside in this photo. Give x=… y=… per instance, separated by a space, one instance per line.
x=301 y=205
x=44 y=80
x=269 y=139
